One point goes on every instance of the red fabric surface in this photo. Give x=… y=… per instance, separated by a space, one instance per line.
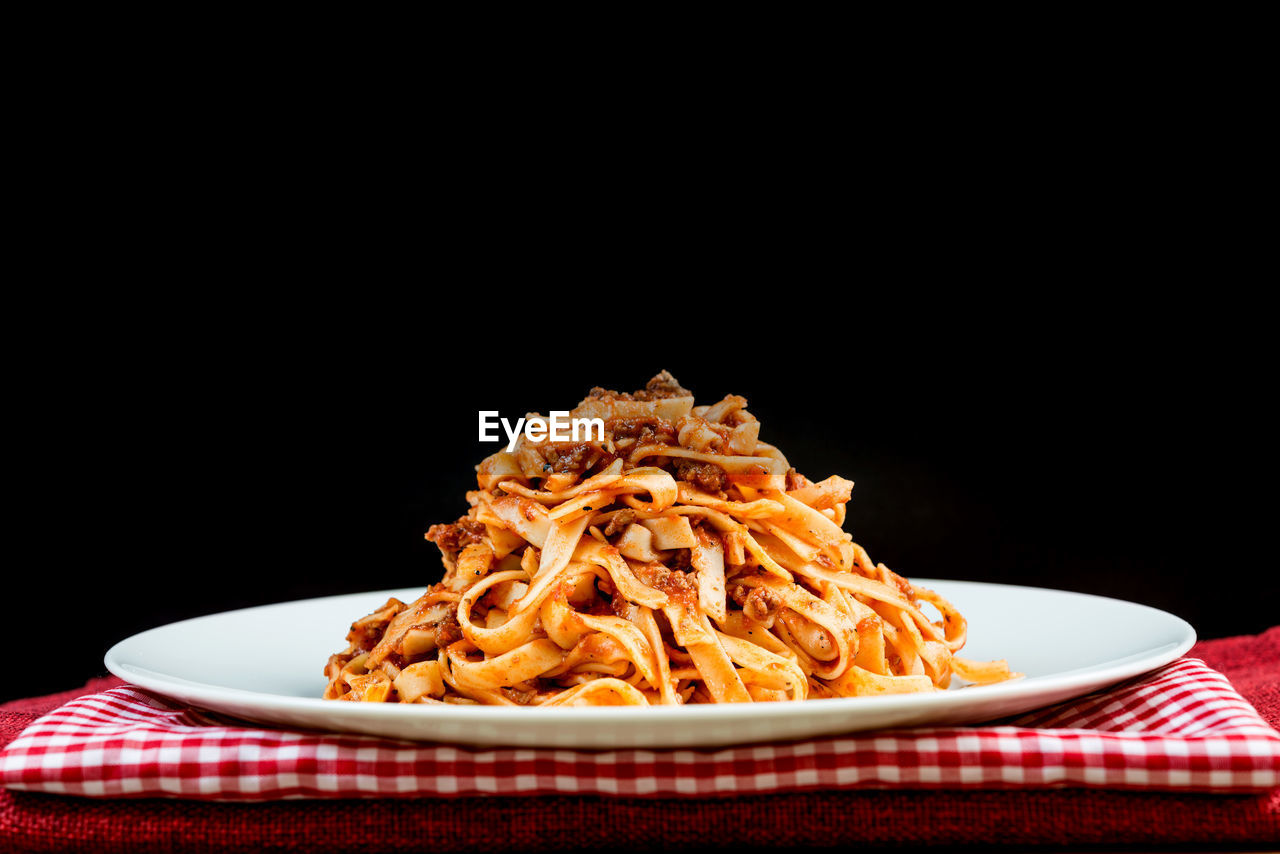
x=1179 y=728
x=1078 y=817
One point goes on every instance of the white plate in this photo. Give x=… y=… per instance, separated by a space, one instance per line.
x=265 y=664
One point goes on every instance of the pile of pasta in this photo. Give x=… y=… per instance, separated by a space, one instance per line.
x=679 y=560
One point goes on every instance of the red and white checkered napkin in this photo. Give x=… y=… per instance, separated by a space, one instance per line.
x=1181 y=728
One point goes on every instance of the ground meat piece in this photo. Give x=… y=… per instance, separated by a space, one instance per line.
x=762 y=605
x=619 y=522
x=661 y=387
x=620 y=607
x=705 y=476
x=601 y=393
x=626 y=428
x=575 y=458
x=448 y=631
x=647 y=431
x=608 y=394
x=520 y=698
x=454 y=538
x=657 y=434
x=677 y=585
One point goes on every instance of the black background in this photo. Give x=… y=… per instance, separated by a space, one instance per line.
x=1030 y=435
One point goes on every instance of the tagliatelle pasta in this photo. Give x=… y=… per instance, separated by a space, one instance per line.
x=679 y=559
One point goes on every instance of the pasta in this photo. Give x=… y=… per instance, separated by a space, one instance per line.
x=680 y=559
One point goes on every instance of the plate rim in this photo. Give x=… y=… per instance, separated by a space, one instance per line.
x=1092 y=676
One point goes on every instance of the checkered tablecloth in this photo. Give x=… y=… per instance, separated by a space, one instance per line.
x=1182 y=728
